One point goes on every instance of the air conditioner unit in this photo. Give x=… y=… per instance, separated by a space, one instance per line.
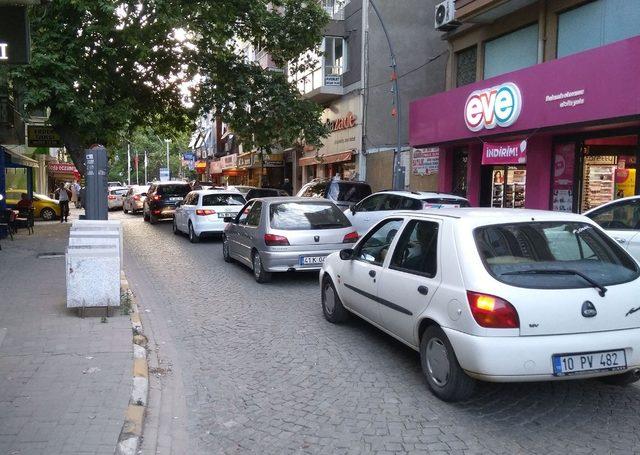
x=445 y=16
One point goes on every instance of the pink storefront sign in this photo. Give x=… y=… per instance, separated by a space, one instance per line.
x=559 y=93
x=514 y=152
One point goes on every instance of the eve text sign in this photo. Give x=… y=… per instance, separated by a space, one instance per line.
x=499 y=105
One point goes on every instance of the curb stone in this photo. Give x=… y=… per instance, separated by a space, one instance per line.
x=131 y=432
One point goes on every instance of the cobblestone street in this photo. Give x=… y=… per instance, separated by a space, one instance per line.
x=263 y=372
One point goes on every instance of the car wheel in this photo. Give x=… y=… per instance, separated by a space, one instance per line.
x=225 y=250
x=47 y=214
x=145 y=214
x=175 y=227
x=332 y=307
x=259 y=273
x=152 y=219
x=444 y=375
x=193 y=237
x=622 y=379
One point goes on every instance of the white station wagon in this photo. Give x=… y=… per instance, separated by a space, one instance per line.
x=499 y=295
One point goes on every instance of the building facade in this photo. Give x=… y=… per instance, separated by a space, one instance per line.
x=421 y=57
x=543 y=106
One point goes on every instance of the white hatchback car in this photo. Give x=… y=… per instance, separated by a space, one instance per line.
x=203 y=212
x=115 y=197
x=621 y=220
x=373 y=208
x=499 y=295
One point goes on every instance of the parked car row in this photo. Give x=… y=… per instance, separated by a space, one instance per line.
x=497 y=295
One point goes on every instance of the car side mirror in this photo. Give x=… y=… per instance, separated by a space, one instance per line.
x=228 y=219
x=346 y=254
x=143 y=194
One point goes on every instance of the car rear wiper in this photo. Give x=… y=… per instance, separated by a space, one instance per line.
x=601 y=289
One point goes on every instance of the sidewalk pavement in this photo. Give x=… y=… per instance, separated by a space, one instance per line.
x=65 y=382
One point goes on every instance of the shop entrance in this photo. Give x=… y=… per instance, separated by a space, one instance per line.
x=504 y=186
x=608 y=170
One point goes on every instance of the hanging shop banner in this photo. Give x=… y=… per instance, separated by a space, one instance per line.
x=563 y=171
x=42 y=136
x=425 y=161
x=504 y=152
x=15 y=41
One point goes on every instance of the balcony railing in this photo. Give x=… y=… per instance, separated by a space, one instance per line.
x=335 y=8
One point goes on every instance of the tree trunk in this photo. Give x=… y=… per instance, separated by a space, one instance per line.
x=74 y=146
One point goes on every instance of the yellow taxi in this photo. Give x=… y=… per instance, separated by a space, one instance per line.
x=43 y=206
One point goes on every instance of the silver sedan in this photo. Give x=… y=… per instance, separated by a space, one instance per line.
x=280 y=234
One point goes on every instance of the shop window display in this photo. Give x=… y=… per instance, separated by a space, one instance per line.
x=508 y=186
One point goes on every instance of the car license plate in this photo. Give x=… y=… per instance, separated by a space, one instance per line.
x=312 y=260
x=175 y=198
x=227 y=215
x=589 y=362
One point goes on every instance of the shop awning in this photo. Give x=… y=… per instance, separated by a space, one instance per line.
x=326 y=159
x=14 y=156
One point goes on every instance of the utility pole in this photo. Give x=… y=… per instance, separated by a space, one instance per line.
x=137 y=168
x=398 y=171
x=128 y=163
x=146 y=179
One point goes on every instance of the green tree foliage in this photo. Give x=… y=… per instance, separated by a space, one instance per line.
x=147 y=139
x=105 y=67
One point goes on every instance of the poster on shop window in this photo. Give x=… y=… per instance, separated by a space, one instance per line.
x=563 y=170
x=425 y=161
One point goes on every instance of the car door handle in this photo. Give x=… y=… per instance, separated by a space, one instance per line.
x=423 y=290
x=372 y=273
x=619 y=240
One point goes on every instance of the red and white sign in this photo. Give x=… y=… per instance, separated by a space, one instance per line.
x=425 y=161
x=62 y=168
x=504 y=152
x=499 y=105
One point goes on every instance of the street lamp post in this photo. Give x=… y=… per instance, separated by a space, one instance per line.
x=167 y=141
x=398 y=172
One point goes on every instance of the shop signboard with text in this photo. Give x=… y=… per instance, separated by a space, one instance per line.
x=425 y=161
x=42 y=136
x=15 y=41
x=514 y=152
x=343 y=118
x=229 y=161
x=550 y=94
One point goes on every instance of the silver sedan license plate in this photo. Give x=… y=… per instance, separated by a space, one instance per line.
x=589 y=362
x=312 y=260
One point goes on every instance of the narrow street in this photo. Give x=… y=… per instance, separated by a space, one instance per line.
x=252 y=368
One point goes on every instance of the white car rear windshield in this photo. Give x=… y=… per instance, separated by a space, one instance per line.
x=223 y=199
x=301 y=216
x=553 y=255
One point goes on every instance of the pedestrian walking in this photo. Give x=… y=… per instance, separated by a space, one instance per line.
x=75 y=194
x=63 y=195
x=286 y=186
